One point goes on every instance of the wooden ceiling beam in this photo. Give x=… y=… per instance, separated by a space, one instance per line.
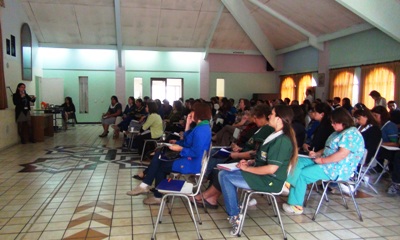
x=118 y=33
x=312 y=39
x=243 y=16
x=384 y=15
x=212 y=30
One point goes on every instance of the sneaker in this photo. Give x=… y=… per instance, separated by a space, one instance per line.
x=291 y=209
x=393 y=189
x=346 y=189
x=236 y=222
x=138 y=190
x=152 y=201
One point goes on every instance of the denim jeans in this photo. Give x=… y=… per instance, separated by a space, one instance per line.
x=230 y=182
x=157 y=170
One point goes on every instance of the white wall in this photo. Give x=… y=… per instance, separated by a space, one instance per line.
x=12 y=18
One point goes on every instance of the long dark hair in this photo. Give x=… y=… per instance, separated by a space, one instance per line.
x=286 y=114
x=365 y=112
x=69 y=100
x=385 y=116
x=19 y=85
x=323 y=108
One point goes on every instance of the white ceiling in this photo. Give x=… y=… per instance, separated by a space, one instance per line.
x=188 y=24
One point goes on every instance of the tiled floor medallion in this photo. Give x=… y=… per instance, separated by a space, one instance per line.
x=67 y=158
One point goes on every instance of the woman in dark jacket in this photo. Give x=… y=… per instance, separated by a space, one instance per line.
x=22 y=115
x=369 y=129
x=68 y=111
x=322 y=113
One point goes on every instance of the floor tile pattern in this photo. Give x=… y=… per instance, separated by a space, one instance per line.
x=59 y=190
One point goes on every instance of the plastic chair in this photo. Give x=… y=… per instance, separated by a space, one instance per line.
x=186 y=192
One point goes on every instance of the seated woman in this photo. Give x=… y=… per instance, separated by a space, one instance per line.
x=153 y=123
x=389 y=135
x=321 y=113
x=140 y=110
x=111 y=115
x=260 y=117
x=68 y=111
x=337 y=161
x=268 y=171
x=174 y=117
x=127 y=116
x=191 y=149
x=298 y=125
x=224 y=136
x=369 y=129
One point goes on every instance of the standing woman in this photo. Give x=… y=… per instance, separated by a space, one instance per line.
x=22 y=107
x=268 y=171
x=68 y=111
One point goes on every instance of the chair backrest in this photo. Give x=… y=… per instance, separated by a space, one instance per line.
x=362 y=162
x=374 y=157
x=204 y=163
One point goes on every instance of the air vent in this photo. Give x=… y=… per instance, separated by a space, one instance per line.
x=238 y=52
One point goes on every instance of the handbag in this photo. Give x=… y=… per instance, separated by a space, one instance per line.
x=167 y=154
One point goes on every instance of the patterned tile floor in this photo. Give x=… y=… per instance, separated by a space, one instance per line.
x=72 y=186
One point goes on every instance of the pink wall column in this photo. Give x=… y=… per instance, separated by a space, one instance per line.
x=323 y=68
x=120 y=84
x=204 y=79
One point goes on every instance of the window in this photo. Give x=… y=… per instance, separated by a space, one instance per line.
x=380 y=78
x=83 y=95
x=166 y=88
x=343 y=84
x=220 y=88
x=288 y=88
x=304 y=83
x=137 y=87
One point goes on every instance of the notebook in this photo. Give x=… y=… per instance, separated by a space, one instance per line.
x=222 y=153
x=228 y=166
x=172 y=185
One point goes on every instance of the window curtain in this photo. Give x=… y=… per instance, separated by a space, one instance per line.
x=383 y=78
x=288 y=88
x=342 y=81
x=3 y=93
x=305 y=82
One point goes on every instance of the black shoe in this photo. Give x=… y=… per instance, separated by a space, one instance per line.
x=103 y=135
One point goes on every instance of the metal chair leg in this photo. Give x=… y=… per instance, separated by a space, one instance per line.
x=279 y=216
x=320 y=201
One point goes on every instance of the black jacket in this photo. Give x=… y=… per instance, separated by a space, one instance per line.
x=22 y=104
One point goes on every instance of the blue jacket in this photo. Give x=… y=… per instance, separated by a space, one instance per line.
x=194 y=143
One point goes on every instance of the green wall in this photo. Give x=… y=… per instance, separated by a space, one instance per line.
x=191 y=82
x=153 y=64
x=101 y=86
x=367 y=47
x=243 y=85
